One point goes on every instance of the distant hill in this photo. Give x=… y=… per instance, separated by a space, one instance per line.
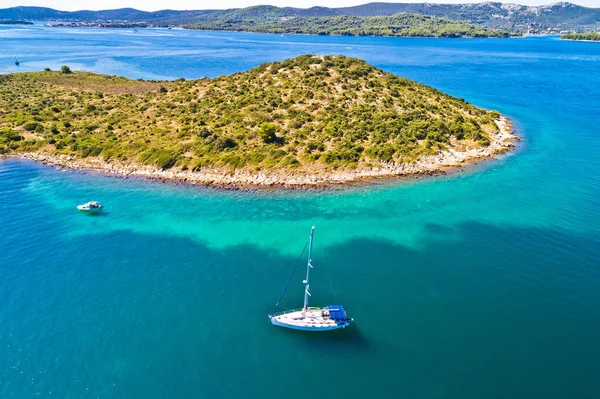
x=175 y=17
x=163 y=16
x=558 y=16
x=494 y=15
x=262 y=13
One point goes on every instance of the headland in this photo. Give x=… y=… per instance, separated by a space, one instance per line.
x=307 y=122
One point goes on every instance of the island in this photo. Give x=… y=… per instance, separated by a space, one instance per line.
x=126 y=25
x=14 y=22
x=403 y=24
x=310 y=121
x=587 y=36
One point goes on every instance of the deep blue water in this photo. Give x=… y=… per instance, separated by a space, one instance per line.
x=484 y=284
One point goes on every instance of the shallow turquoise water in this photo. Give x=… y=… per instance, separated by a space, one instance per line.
x=484 y=284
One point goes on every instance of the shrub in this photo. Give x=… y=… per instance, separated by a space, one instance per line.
x=162 y=158
x=233 y=160
x=311 y=146
x=204 y=133
x=290 y=161
x=7 y=135
x=30 y=126
x=90 y=150
x=165 y=160
x=223 y=143
x=200 y=163
x=65 y=70
x=267 y=132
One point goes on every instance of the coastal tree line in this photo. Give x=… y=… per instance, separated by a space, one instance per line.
x=403 y=24
x=591 y=36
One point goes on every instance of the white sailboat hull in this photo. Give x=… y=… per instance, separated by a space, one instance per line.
x=313 y=319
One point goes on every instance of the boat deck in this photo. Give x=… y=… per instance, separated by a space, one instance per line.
x=311 y=319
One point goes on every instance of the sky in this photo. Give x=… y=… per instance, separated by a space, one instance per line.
x=153 y=5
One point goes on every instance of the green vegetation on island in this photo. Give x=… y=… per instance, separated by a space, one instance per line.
x=14 y=22
x=404 y=24
x=549 y=18
x=307 y=113
x=588 y=36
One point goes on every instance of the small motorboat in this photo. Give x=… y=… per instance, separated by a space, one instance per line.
x=17 y=63
x=90 y=207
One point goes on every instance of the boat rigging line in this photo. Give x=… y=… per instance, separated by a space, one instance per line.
x=290 y=278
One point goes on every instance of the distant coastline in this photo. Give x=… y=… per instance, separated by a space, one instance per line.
x=398 y=25
x=582 y=37
x=546 y=19
x=15 y=22
x=401 y=25
x=125 y=25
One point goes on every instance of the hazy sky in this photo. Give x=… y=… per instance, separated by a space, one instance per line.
x=152 y=5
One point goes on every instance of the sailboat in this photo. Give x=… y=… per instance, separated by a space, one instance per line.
x=17 y=62
x=311 y=318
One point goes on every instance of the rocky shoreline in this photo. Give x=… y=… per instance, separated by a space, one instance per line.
x=441 y=163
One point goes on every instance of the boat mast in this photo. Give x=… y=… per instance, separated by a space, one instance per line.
x=308 y=267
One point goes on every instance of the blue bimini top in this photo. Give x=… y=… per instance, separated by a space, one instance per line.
x=337 y=312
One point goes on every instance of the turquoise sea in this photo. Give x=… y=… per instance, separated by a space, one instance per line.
x=484 y=284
